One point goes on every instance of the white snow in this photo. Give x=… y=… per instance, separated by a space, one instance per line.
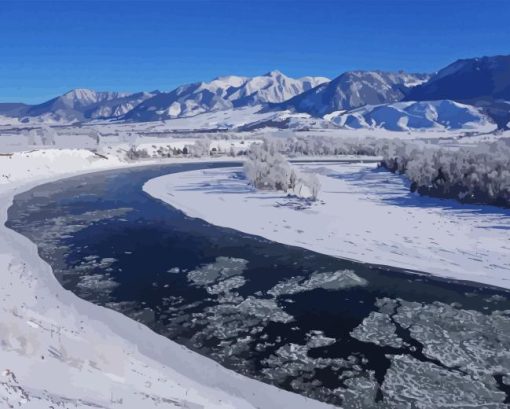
x=275 y=87
x=405 y=116
x=60 y=351
x=367 y=215
x=225 y=119
x=22 y=166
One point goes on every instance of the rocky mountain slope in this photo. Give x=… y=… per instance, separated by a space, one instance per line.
x=352 y=90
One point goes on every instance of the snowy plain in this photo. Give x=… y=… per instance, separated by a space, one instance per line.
x=60 y=351
x=363 y=214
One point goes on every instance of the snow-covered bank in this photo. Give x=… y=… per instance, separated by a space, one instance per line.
x=38 y=164
x=366 y=215
x=58 y=350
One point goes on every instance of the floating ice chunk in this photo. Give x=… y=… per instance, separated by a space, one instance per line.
x=337 y=280
x=222 y=268
x=378 y=329
x=97 y=282
x=412 y=383
x=265 y=309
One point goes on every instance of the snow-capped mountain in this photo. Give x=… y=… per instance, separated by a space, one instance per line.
x=273 y=87
x=222 y=93
x=85 y=104
x=403 y=116
x=470 y=80
x=481 y=82
x=352 y=90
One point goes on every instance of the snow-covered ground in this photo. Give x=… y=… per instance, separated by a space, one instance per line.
x=225 y=119
x=219 y=125
x=60 y=351
x=365 y=214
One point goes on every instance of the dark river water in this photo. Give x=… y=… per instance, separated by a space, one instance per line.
x=343 y=332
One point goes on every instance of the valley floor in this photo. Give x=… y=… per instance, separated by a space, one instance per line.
x=364 y=213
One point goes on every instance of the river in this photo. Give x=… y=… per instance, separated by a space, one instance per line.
x=335 y=330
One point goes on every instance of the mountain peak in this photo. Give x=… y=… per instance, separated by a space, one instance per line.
x=79 y=93
x=274 y=73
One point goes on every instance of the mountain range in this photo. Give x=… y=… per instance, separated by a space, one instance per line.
x=467 y=92
x=222 y=93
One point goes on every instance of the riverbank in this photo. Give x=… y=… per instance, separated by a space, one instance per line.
x=58 y=350
x=363 y=214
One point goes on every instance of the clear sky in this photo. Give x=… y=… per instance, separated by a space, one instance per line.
x=47 y=48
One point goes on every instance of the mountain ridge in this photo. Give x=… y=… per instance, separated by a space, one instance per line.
x=222 y=93
x=353 y=89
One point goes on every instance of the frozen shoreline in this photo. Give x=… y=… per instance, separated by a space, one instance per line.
x=60 y=350
x=367 y=216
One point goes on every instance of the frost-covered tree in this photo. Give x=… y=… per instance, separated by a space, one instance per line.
x=311 y=183
x=201 y=147
x=265 y=168
x=134 y=153
x=479 y=174
x=325 y=146
x=47 y=135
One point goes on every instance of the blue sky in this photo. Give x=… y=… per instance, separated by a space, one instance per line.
x=48 y=48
